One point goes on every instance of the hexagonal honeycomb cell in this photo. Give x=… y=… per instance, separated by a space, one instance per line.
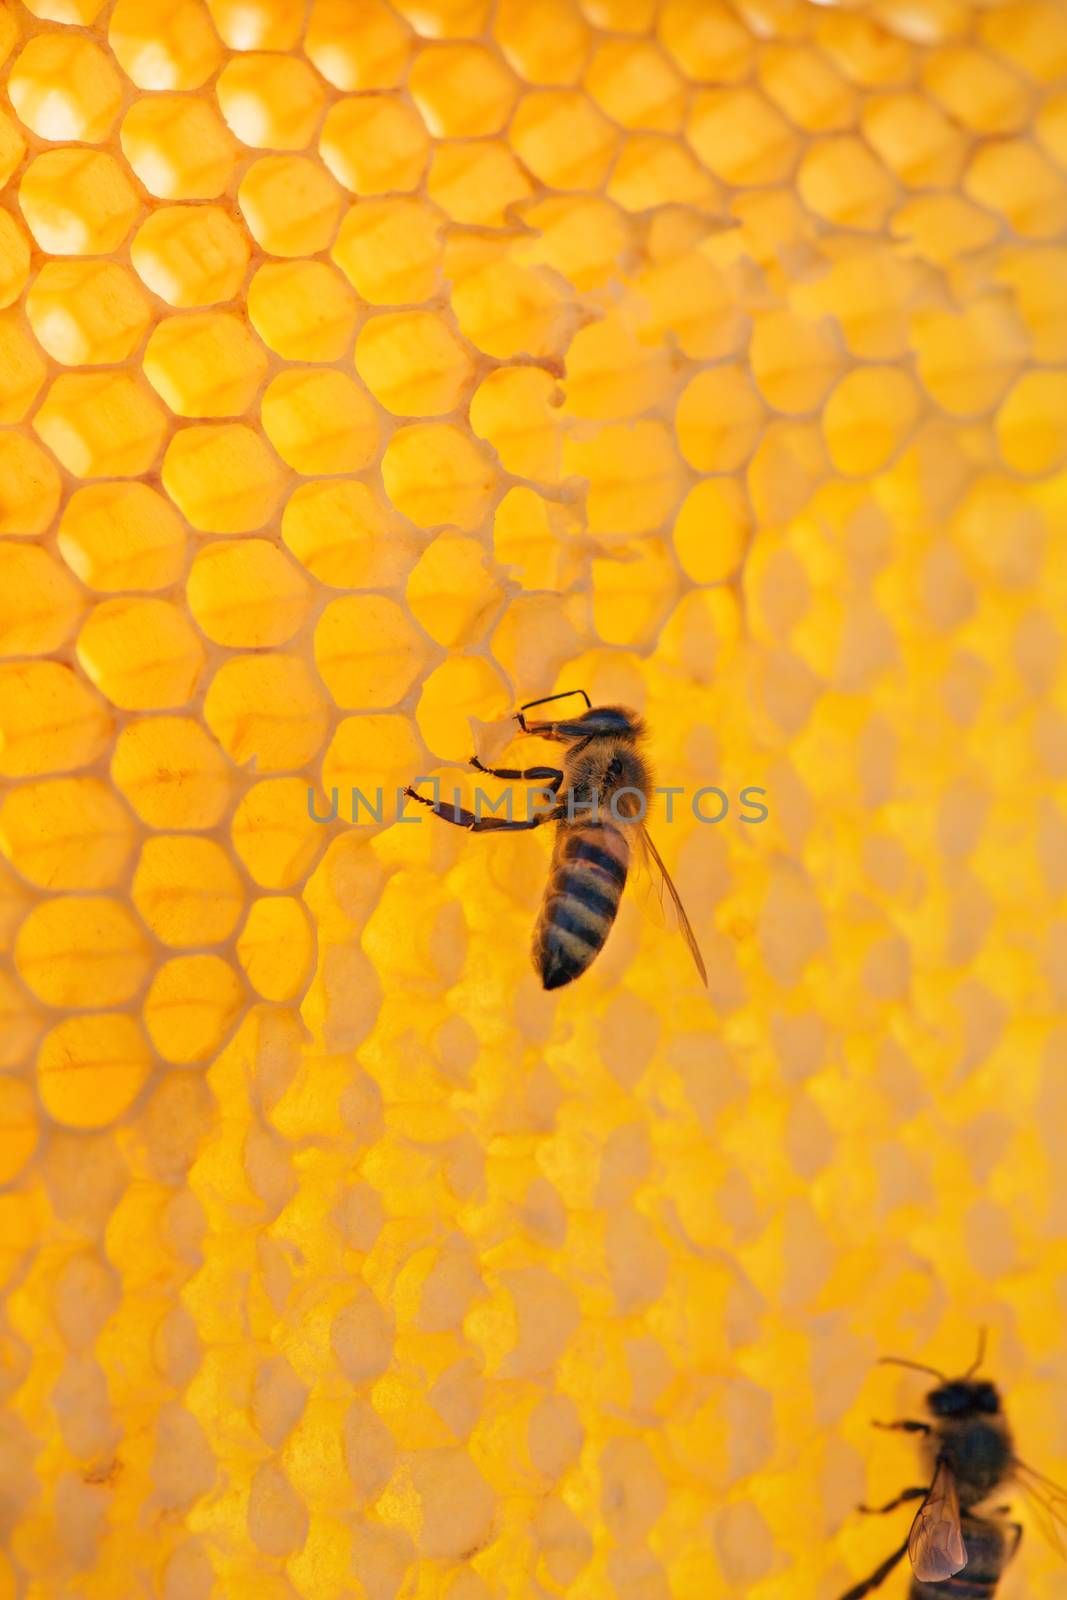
x=160 y=45
x=121 y=536
x=374 y=144
x=190 y=255
x=178 y=147
x=271 y=102
x=65 y=87
x=90 y=1069
x=390 y=250
x=191 y=1007
x=290 y=205
x=304 y=310
x=87 y=313
x=205 y=365
x=141 y=653
x=412 y=363
x=247 y=593
x=320 y=421
x=186 y=890
x=369 y=368
x=40 y=603
x=223 y=478
x=267 y=710
x=78 y=202
x=102 y=425
x=172 y=772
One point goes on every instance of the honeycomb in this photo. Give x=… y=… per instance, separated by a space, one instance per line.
x=366 y=369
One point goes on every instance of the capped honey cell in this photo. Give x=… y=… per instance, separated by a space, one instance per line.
x=320 y=421
x=87 y=951
x=275 y=947
x=141 y=653
x=290 y=204
x=413 y=363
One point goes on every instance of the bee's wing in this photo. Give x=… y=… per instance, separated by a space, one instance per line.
x=1049 y=1503
x=935 y=1543
x=654 y=862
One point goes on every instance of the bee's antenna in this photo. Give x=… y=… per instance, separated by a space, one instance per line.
x=563 y=695
x=544 y=701
x=980 y=1357
x=916 y=1366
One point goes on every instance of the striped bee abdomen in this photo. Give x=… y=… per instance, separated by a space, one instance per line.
x=987 y=1557
x=588 y=875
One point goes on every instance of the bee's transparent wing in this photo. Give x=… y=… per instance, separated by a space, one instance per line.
x=653 y=861
x=1049 y=1503
x=935 y=1544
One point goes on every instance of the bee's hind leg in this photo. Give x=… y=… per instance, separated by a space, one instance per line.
x=905 y=1425
x=891 y=1505
x=878 y=1576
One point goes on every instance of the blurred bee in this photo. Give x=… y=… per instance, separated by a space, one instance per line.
x=957 y=1549
x=599 y=815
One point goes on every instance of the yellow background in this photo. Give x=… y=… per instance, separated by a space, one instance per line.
x=367 y=368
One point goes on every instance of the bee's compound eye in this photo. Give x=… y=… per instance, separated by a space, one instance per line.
x=986 y=1398
x=948 y=1401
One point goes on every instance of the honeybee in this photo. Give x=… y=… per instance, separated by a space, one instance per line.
x=958 y=1548
x=605 y=784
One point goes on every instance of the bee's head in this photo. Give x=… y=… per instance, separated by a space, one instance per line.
x=962 y=1397
x=616 y=722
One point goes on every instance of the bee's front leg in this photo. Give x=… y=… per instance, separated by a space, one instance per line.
x=551 y=777
x=915 y=1493
x=462 y=818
